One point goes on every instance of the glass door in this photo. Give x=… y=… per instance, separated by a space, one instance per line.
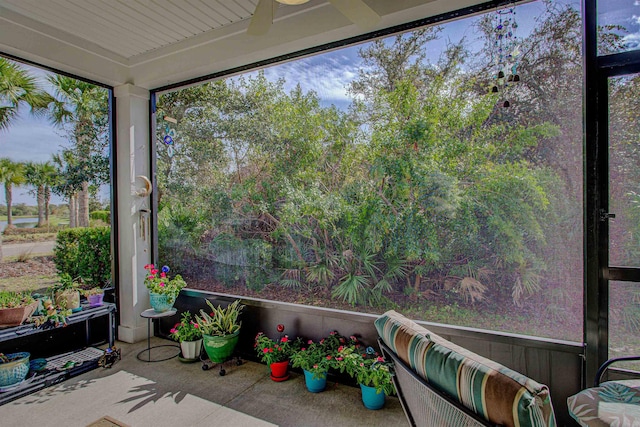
x=624 y=214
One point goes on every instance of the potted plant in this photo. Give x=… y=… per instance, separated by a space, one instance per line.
x=220 y=330
x=315 y=359
x=189 y=334
x=372 y=372
x=66 y=293
x=13 y=368
x=15 y=308
x=276 y=353
x=162 y=290
x=94 y=296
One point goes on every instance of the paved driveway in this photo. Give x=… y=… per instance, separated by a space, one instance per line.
x=32 y=248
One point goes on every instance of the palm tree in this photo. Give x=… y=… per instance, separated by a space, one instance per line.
x=67 y=184
x=83 y=107
x=40 y=175
x=19 y=89
x=11 y=174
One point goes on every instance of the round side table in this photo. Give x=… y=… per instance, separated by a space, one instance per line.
x=150 y=315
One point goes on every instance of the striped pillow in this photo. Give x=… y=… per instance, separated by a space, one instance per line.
x=495 y=392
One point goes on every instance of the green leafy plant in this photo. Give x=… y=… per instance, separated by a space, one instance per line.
x=272 y=351
x=92 y=291
x=10 y=299
x=187 y=329
x=367 y=367
x=221 y=321
x=318 y=357
x=66 y=283
x=157 y=281
x=85 y=253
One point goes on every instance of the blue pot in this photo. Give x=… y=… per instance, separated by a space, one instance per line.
x=372 y=399
x=315 y=385
x=160 y=302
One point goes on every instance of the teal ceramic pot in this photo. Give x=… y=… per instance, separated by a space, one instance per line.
x=371 y=398
x=160 y=302
x=315 y=385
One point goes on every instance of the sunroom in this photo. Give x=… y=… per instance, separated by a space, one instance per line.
x=469 y=164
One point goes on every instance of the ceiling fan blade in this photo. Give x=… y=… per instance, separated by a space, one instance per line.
x=357 y=11
x=262 y=18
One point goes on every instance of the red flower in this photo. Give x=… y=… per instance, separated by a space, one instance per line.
x=163 y=275
x=284 y=339
x=340 y=348
x=265 y=350
x=280 y=328
x=329 y=357
x=380 y=359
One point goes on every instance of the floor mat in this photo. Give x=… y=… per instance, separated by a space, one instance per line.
x=107 y=422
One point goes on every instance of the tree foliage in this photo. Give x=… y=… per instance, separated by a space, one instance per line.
x=425 y=185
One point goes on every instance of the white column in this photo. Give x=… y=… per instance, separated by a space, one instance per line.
x=134 y=250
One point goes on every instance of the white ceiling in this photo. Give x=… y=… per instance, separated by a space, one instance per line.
x=152 y=43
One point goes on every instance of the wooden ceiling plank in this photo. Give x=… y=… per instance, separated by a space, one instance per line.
x=153 y=24
x=122 y=24
x=221 y=11
x=213 y=19
x=236 y=8
x=181 y=17
x=248 y=5
x=46 y=12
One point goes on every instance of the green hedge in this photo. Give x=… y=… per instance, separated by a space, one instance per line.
x=104 y=216
x=85 y=253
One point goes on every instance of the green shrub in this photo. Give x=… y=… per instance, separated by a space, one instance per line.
x=85 y=253
x=104 y=216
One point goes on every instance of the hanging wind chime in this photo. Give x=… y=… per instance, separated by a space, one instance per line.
x=507 y=51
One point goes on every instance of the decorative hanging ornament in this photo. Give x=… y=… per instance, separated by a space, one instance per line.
x=507 y=52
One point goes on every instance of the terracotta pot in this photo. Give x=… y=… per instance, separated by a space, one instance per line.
x=16 y=316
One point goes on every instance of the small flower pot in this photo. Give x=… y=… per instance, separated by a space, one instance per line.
x=160 y=302
x=69 y=300
x=317 y=384
x=95 y=300
x=280 y=371
x=371 y=398
x=191 y=349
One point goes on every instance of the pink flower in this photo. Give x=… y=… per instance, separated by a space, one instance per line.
x=315 y=366
x=303 y=348
x=361 y=364
x=341 y=348
x=329 y=357
x=339 y=359
x=285 y=339
x=310 y=342
x=195 y=325
x=154 y=271
x=380 y=359
x=163 y=275
x=173 y=331
x=161 y=284
x=265 y=350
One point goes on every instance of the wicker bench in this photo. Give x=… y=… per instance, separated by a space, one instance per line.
x=442 y=384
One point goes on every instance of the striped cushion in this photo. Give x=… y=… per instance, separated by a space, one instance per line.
x=497 y=393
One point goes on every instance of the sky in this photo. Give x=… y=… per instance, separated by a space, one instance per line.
x=328 y=74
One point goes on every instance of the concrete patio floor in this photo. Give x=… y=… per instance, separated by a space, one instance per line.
x=172 y=393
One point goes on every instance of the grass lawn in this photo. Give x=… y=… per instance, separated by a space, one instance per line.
x=37 y=283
